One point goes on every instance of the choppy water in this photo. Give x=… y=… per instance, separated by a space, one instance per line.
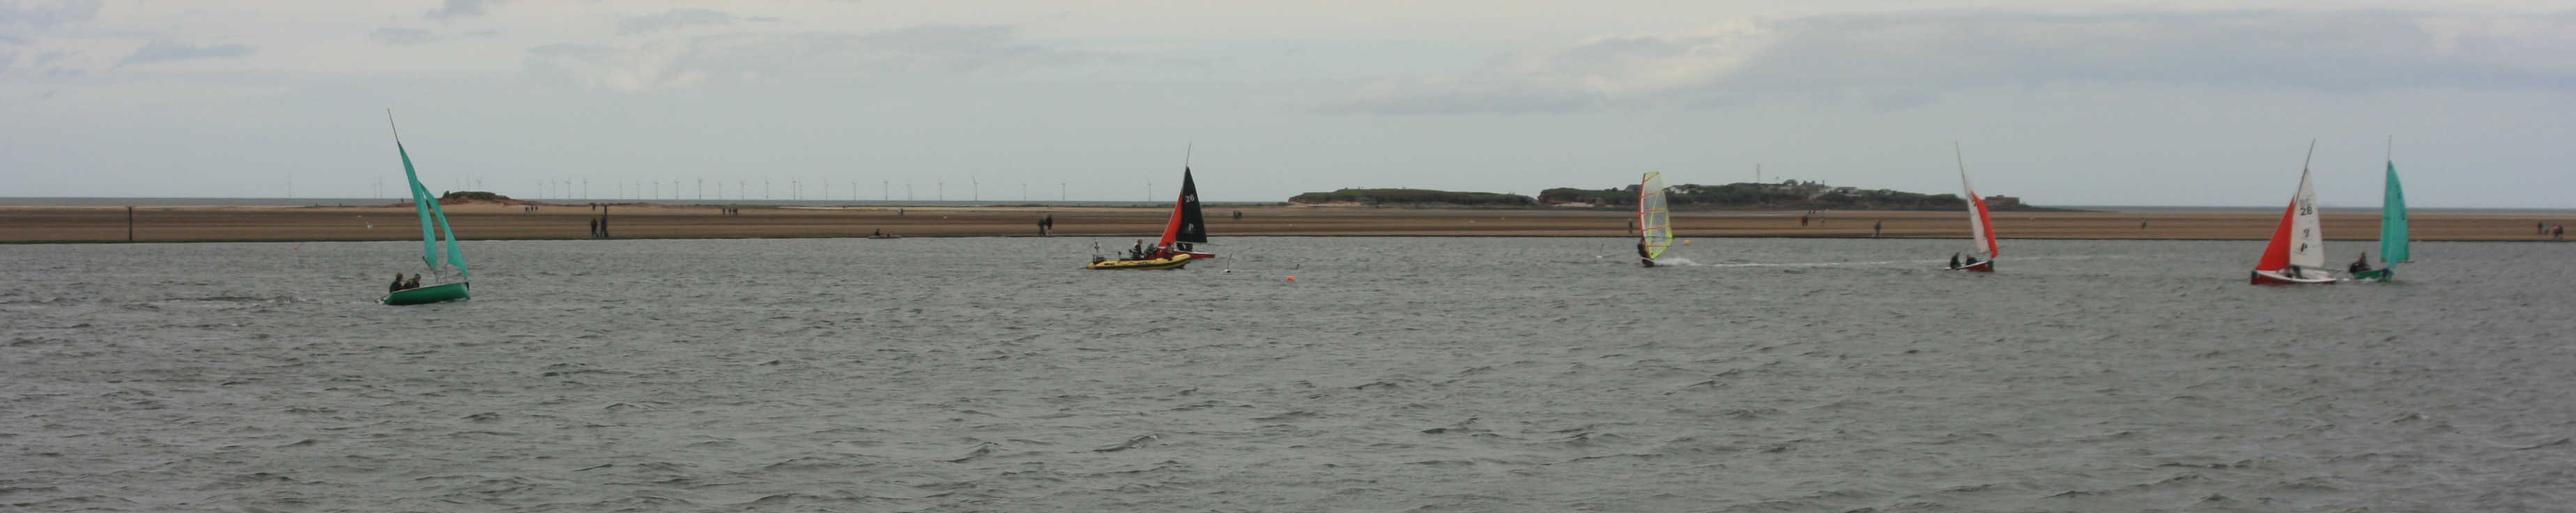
x=1394 y=374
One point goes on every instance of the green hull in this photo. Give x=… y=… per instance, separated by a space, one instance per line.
x=426 y=295
x=2376 y=275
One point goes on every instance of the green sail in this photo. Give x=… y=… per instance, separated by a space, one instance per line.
x=2392 y=221
x=455 y=256
x=421 y=204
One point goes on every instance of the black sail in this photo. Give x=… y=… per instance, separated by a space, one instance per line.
x=1193 y=226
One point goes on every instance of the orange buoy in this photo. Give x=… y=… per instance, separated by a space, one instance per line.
x=1292 y=278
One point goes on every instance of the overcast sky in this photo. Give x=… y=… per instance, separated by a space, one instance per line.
x=2065 y=103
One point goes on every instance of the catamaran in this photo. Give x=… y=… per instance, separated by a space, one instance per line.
x=1174 y=250
x=433 y=223
x=2392 y=230
x=1654 y=220
x=2296 y=255
x=1981 y=227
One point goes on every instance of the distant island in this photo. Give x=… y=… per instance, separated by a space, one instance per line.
x=1786 y=195
x=1415 y=198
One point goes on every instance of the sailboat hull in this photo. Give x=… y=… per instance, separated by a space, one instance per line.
x=1156 y=264
x=2276 y=278
x=2376 y=275
x=1981 y=267
x=427 y=295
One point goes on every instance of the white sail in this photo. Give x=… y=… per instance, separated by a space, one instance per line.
x=2307 y=244
x=1981 y=235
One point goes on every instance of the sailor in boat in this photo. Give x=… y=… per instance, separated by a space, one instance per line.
x=1954 y=260
x=397 y=286
x=2361 y=265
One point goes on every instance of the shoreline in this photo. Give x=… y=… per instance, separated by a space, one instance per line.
x=486 y=221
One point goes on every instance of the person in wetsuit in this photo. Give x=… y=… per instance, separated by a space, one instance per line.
x=397 y=286
x=1644 y=258
x=2361 y=265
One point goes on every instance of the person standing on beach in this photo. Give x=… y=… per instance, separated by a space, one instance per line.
x=1875 y=228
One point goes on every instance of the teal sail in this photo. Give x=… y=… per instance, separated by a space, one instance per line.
x=423 y=205
x=455 y=256
x=2392 y=221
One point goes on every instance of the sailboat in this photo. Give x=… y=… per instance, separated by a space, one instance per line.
x=1173 y=250
x=2392 y=230
x=1654 y=220
x=1981 y=227
x=433 y=223
x=2296 y=254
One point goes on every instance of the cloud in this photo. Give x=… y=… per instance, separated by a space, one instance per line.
x=399 y=36
x=462 y=9
x=671 y=20
x=1904 y=59
x=45 y=15
x=686 y=62
x=163 y=51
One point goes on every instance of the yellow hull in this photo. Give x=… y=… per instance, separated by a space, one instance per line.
x=1171 y=262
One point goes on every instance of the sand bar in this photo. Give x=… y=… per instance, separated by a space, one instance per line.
x=23 y=224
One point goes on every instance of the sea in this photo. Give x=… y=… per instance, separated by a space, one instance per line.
x=1362 y=374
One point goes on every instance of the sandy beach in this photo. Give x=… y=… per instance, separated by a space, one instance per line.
x=24 y=224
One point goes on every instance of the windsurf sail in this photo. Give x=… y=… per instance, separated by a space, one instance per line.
x=1981 y=227
x=2392 y=222
x=1654 y=218
x=1186 y=225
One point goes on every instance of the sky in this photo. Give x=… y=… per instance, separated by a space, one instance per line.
x=2188 y=103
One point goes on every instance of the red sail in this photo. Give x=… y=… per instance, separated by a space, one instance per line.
x=1172 y=228
x=2277 y=255
x=1985 y=226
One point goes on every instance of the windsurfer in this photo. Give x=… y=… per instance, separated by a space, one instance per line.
x=1644 y=258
